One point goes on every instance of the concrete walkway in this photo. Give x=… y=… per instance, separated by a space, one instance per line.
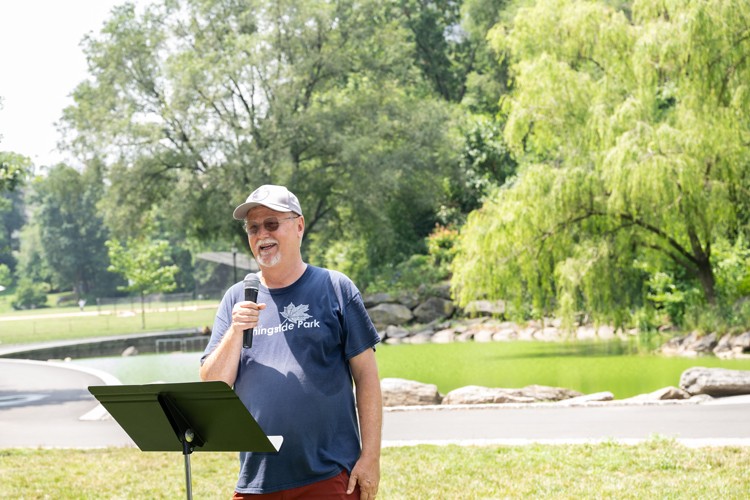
x=42 y=405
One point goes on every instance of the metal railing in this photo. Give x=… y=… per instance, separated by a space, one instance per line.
x=190 y=344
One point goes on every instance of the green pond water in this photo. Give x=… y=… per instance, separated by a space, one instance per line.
x=621 y=368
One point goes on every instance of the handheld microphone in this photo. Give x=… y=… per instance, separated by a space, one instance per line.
x=252 y=283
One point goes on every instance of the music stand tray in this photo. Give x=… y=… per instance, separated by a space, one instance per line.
x=186 y=417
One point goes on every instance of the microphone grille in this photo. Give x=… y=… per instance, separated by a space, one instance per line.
x=252 y=281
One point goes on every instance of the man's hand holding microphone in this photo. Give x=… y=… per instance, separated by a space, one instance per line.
x=245 y=314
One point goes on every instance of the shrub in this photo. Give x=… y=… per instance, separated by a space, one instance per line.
x=441 y=246
x=30 y=295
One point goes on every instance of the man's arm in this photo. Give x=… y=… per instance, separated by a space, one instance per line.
x=366 y=471
x=223 y=363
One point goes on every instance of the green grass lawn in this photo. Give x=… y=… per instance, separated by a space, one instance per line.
x=64 y=323
x=656 y=469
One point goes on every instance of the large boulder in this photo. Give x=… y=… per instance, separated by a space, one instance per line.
x=390 y=314
x=433 y=309
x=474 y=394
x=547 y=393
x=705 y=344
x=715 y=382
x=395 y=332
x=741 y=343
x=485 y=308
x=402 y=392
x=129 y=351
x=663 y=394
x=724 y=348
x=693 y=345
x=596 y=397
x=373 y=299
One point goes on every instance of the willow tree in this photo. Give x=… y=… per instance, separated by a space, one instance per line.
x=632 y=136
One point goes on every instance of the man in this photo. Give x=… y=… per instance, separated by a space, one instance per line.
x=312 y=337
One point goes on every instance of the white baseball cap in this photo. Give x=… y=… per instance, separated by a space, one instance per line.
x=274 y=197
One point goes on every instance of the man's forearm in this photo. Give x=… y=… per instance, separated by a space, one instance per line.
x=222 y=364
x=370 y=410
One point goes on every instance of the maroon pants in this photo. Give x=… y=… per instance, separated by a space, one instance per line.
x=334 y=488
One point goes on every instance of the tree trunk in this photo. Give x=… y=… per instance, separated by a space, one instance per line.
x=708 y=282
x=702 y=254
x=143 y=312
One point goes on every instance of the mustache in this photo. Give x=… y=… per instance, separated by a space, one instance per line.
x=266 y=241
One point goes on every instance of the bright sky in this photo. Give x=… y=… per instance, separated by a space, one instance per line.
x=41 y=62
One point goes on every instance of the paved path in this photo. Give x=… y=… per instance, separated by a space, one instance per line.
x=689 y=423
x=42 y=405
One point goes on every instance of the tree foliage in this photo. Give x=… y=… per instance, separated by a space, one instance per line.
x=71 y=231
x=31 y=263
x=30 y=294
x=632 y=135
x=12 y=219
x=5 y=275
x=14 y=169
x=193 y=103
x=144 y=263
x=450 y=48
x=146 y=266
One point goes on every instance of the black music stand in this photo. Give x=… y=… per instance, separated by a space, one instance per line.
x=184 y=416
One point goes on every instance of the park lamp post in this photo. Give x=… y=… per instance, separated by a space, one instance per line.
x=234 y=262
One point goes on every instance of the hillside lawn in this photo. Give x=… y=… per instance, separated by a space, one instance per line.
x=656 y=469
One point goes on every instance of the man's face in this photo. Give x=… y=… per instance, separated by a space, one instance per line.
x=274 y=247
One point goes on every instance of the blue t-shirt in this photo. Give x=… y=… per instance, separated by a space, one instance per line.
x=295 y=379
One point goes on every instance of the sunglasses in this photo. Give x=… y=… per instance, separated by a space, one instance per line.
x=271 y=224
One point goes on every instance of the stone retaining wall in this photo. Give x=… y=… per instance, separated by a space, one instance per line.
x=696 y=384
x=104 y=346
x=430 y=316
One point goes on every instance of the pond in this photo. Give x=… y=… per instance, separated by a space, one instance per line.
x=587 y=367
x=148 y=368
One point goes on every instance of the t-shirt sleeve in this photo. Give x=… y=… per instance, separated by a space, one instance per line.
x=360 y=333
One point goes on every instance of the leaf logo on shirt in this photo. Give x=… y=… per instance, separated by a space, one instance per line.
x=296 y=314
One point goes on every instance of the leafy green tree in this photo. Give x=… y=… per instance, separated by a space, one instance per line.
x=5 y=275
x=485 y=163
x=31 y=262
x=442 y=50
x=631 y=134
x=453 y=54
x=71 y=229
x=193 y=103
x=30 y=294
x=12 y=219
x=13 y=170
x=450 y=48
x=145 y=264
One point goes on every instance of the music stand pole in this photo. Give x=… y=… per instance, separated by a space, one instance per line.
x=184 y=432
x=187 y=450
